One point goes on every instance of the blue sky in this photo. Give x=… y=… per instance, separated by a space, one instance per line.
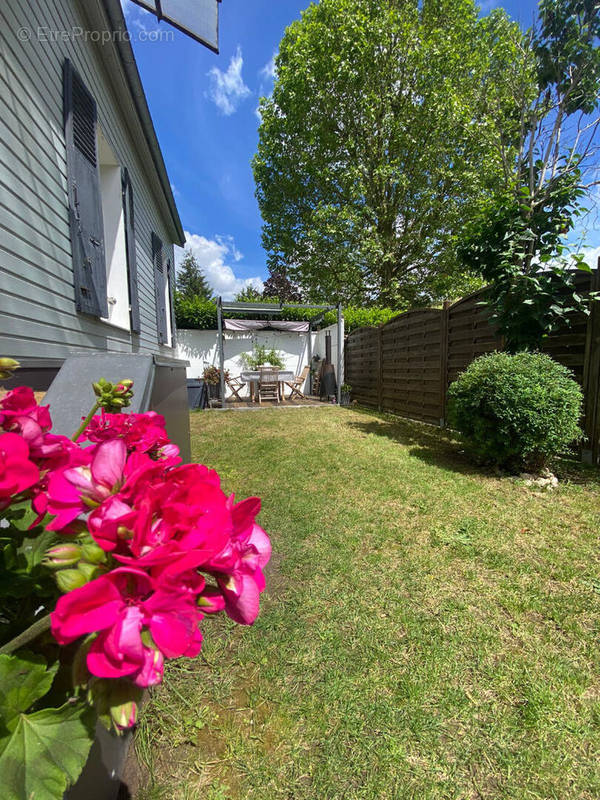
x=204 y=110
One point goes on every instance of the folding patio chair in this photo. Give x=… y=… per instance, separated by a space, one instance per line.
x=235 y=384
x=297 y=384
x=268 y=384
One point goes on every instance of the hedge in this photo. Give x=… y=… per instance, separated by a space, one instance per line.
x=198 y=314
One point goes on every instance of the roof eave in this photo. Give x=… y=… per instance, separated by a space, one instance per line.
x=117 y=23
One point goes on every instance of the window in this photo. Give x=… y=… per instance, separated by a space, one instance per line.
x=115 y=250
x=162 y=285
x=100 y=212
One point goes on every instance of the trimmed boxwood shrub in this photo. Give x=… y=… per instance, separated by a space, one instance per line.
x=516 y=411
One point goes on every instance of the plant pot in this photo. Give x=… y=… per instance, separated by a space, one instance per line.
x=345 y=399
x=101 y=775
x=214 y=391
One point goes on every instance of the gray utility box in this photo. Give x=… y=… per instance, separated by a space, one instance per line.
x=159 y=384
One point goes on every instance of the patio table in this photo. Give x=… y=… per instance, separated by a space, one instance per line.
x=252 y=377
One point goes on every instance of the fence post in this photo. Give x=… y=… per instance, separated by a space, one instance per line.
x=380 y=368
x=591 y=378
x=444 y=361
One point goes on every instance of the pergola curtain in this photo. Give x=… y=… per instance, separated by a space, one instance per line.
x=259 y=325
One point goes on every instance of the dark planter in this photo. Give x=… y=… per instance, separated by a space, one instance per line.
x=196 y=392
x=101 y=776
x=345 y=400
x=214 y=391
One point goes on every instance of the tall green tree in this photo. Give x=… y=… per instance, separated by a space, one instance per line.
x=249 y=294
x=549 y=152
x=370 y=155
x=190 y=281
x=279 y=287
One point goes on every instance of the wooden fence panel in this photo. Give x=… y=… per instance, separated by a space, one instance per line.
x=406 y=365
x=362 y=365
x=567 y=346
x=470 y=334
x=411 y=369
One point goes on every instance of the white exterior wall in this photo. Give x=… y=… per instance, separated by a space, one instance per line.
x=38 y=318
x=201 y=350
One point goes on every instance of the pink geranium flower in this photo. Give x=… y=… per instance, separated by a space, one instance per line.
x=79 y=488
x=238 y=568
x=21 y=402
x=17 y=471
x=20 y=413
x=181 y=521
x=123 y=607
x=142 y=433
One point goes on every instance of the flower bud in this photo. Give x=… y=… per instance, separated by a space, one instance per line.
x=124 y=716
x=124 y=387
x=211 y=601
x=93 y=553
x=62 y=555
x=101 y=386
x=69 y=579
x=116 y=701
x=7 y=367
x=88 y=571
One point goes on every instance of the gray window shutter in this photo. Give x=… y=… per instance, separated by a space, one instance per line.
x=85 y=204
x=171 y=285
x=159 y=288
x=134 y=303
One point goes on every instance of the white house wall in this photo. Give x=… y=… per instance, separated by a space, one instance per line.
x=200 y=348
x=38 y=318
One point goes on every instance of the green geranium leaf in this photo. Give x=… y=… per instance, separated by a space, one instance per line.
x=23 y=680
x=22 y=515
x=34 y=546
x=46 y=752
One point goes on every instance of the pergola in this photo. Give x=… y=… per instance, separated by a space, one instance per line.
x=258 y=310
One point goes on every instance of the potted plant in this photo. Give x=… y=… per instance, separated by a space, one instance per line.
x=261 y=357
x=346 y=389
x=104 y=575
x=212 y=379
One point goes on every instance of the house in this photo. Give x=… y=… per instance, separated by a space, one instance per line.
x=88 y=218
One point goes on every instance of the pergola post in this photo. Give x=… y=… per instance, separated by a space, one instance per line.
x=221 y=350
x=339 y=353
x=309 y=358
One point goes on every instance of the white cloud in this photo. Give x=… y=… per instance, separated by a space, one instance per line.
x=229 y=242
x=269 y=69
x=138 y=18
x=212 y=256
x=591 y=256
x=267 y=74
x=228 y=89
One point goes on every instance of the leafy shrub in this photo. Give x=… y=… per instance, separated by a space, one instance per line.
x=516 y=411
x=262 y=356
x=196 y=313
x=212 y=375
x=356 y=317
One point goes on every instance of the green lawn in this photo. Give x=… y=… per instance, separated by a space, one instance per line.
x=429 y=630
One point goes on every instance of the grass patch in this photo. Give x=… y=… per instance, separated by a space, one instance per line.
x=429 y=630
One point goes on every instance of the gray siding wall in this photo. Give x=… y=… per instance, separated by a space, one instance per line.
x=37 y=303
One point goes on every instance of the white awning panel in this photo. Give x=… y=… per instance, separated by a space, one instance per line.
x=197 y=18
